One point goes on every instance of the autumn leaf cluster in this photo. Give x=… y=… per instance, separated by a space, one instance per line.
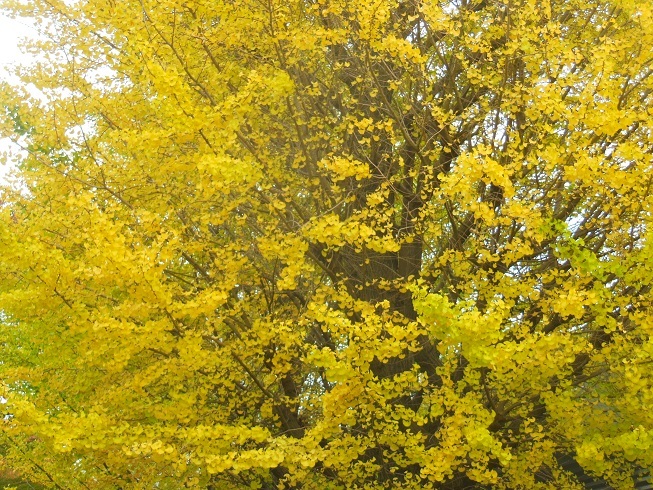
x=329 y=244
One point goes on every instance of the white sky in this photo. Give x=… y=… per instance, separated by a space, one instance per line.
x=11 y=31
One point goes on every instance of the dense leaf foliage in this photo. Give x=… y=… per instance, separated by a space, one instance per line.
x=329 y=244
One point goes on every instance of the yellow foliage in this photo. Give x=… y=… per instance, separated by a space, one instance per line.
x=329 y=245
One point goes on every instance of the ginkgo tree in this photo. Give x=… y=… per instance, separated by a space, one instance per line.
x=330 y=244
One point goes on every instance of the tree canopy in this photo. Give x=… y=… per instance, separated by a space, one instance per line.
x=330 y=244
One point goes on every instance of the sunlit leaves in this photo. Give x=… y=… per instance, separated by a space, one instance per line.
x=330 y=244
